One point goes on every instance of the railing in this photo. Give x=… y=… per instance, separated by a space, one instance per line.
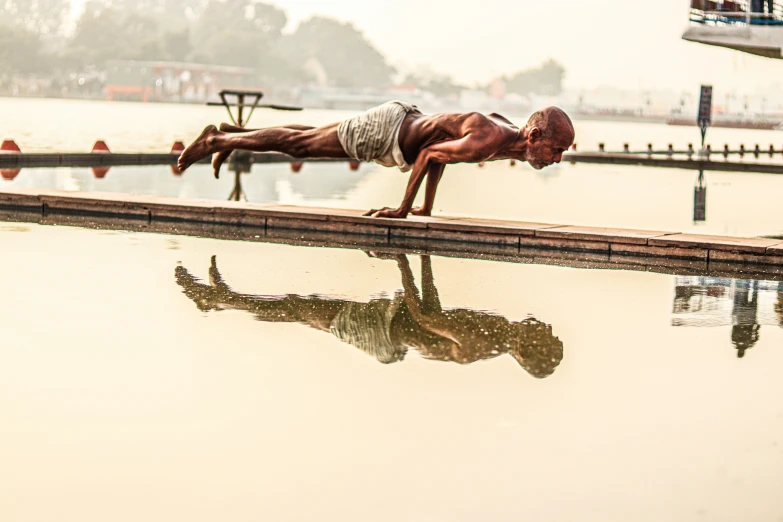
x=730 y=12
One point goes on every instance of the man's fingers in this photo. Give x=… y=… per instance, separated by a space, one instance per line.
x=371 y=212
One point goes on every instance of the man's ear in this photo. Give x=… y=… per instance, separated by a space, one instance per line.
x=534 y=135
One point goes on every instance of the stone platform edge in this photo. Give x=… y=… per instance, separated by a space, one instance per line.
x=482 y=236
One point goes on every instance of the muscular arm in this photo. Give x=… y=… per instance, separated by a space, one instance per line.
x=481 y=139
x=433 y=178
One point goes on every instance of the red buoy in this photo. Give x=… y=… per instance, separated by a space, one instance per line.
x=100 y=172
x=9 y=174
x=10 y=147
x=177 y=147
x=296 y=166
x=354 y=165
x=100 y=147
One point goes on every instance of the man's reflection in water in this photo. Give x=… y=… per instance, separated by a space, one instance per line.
x=387 y=328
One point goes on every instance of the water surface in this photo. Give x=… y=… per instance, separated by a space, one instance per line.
x=155 y=377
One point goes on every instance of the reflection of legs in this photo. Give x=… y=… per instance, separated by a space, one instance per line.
x=315 y=312
x=312 y=311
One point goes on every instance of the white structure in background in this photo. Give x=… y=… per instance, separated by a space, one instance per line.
x=314 y=67
x=737 y=25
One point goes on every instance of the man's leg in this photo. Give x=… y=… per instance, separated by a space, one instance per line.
x=225 y=127
x=321 y=142
x=221 y=157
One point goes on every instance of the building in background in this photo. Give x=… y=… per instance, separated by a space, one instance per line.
x=172 y=81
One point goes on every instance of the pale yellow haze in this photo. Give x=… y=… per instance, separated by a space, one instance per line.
x=619 y=43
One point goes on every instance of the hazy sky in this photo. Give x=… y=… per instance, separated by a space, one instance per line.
x=622 y=43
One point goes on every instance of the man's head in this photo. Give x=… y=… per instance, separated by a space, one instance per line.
x=538 y=351
x=548 y=133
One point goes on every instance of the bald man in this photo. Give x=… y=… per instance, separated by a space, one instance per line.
x=398 y=134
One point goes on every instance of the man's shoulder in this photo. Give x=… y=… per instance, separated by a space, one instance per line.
x=496 y=116
x=488 y=121
x=488 y=126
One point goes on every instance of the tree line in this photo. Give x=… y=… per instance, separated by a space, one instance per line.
x=40 y=38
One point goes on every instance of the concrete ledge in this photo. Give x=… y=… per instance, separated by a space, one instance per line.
x=487 y=226
x=21 y=201
x=470 y=237
x=738 y=257
x=724 y=243
x=657 y=251
x=775 y=250
x=612 y=235
x=564 y=244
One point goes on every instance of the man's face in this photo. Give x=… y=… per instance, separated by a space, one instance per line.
x=542 y=152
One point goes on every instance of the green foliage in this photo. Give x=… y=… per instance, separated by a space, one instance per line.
x=40 y=17
x=110 y=34
x=20 y=51
x=246 y=33
x=544 y=79
x=439 y=85
x=348 y=59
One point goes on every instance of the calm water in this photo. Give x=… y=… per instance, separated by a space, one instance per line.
x=154 y=377
x=600 y=195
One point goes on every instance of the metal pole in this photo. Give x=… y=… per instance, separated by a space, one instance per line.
x=240 y=103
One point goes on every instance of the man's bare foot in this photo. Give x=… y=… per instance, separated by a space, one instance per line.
x=199 y=149
x=221 y=157
x=387 y=212
x=421 y=211
x=218 y=160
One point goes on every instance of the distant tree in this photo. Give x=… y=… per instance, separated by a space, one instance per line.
x=176 y=45
x=237 y=32
x=20 y=51
x=440 y=85
x=108 y=34
x=42 y=17
x=544 y=79
x=348 y=58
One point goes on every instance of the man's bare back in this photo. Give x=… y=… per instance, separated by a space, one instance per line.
x=400 y=134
